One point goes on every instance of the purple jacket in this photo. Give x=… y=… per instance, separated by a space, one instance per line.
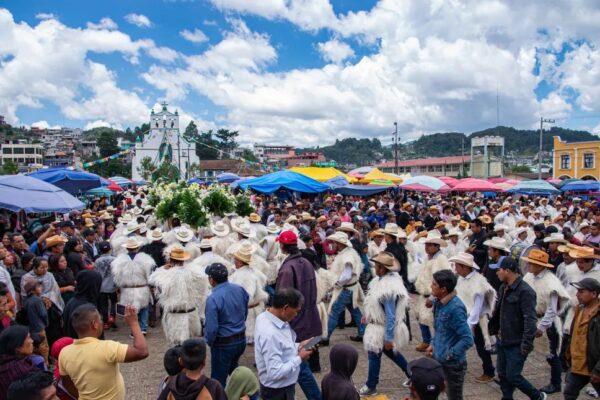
x=297 y=272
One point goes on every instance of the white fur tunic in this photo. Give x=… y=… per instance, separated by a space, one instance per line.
x=180 y=288
x=190 y=247
x=423 y=285
x=253 y=281
x=467 y=289
x=128 y=272
x=220 y=244
x=347 y=256
x=324 y=285
x=389 y=286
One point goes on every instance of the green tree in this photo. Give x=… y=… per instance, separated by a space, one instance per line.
x=9 y=168
x=107 y=144
x=249 y=155
x=521 y=168
x=141 y=130
x=207 y=148
x=191 y=130
x=166 y=172
x=227 y=141
x=146 y=168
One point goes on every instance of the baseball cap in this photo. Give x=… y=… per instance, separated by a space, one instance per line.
x=216 y=271
x=104 y=246
x=587 y=283
x=509 y=263
x=427 y=377
x=287 y=237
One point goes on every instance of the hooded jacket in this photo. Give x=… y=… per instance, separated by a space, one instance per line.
x=86 y=291
x=337 y=385
x=183 y=388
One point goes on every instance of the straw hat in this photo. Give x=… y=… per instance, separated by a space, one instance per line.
x=463 y=224
x=433 y=208
x=465 y=259
x=132 y=226
x=584 y=252
x=89 y=223
x=220 y=229
x=126 y=218
x=254 y=217
x=273 y=229
x=244 y=229
x=455 y=218
x=184 y=234
x=496 y=243
x=387 y=260
x=376 y=232
x=132 y=243
x=347 y=227
x=434 y=237
x=321 y=219
x=486 y=219
x=522 y=222
x=307 y=217
x=538 y=257
x=559 y=217
x=177 y=253
x=55 y=240
x=205 y=244
x=341 y=238
x=155 y=235
x=439 y=224
x=291 y=218
x=87 y=215
x=406 y=206
x=245 y=251
x=555 y=238
x=104 y=216
x=565 y=248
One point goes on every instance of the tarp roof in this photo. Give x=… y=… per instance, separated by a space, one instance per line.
x=322 y=174
x=377 y=174
x=360 y=190
x=284 y=179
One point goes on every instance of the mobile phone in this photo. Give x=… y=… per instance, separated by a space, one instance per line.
x=121 y=310
x=313 y=342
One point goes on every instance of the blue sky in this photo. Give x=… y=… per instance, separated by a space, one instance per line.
x=301 y=72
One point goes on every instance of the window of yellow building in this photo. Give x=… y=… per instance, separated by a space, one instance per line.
x=565 y=161
x=588 y=160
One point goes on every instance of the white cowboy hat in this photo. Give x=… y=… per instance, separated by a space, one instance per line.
x=454 y=232
x=347 y=227
x=555 y=238
x=519 y=231
x=155 y=235
x=244 y=229
x=463 y=258
x=205 y=244
x=125 y=218
x=245 y=251
x=583 y=225
x=184 y=234
x=143 y=228
x=434 y=237
x=500 y=227
x=132 y=226
x=136 y=210
x=132 y=243
x=219 y=228
x=341 y=238
x=273 y=229
x=392 y=229
x=496 y=243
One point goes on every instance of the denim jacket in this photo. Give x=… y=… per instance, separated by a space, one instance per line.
x=452 y=333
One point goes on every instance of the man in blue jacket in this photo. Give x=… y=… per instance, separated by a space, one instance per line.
x=452 y=333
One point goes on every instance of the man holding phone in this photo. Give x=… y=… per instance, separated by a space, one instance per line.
x=278 y=356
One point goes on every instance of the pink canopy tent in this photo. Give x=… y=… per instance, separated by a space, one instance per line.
x=417 y=187
x=356 y=175
x=113 y=186
x=553 y=181
x=475 y=185
x=448 y=180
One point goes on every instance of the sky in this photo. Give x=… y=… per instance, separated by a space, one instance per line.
x=302 y=72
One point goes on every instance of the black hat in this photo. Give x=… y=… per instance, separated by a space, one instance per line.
x=587 y=283
x=427 y=377
x=104 y=246
x=68 y=224
x=539 y=228
x=510 y=264
x=217 y=271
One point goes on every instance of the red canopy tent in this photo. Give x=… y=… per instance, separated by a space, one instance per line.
x=114 y=187
x=475 y=185
x=417 y=187
x=448 y=180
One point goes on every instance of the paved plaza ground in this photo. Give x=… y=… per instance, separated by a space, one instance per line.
x=143 y=378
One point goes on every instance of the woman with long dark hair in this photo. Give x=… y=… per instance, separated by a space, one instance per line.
x=16 y=346
x=63 y=275
x=74 y=255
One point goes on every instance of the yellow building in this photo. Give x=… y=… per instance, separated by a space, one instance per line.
x=576 y=160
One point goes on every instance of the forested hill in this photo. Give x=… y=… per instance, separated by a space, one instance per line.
x=521 y=141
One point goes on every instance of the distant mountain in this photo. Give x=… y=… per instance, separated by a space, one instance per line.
x=353 y=151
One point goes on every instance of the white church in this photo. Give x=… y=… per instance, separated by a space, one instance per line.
x=164 y=140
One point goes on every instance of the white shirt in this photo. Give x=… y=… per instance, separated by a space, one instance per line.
x=275 y=352
x=548 y=318
x=5 y=278
x=477 y=304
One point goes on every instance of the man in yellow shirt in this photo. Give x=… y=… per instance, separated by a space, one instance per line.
x=89 y=368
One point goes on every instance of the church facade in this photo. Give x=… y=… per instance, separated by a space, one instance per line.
x=164 y=143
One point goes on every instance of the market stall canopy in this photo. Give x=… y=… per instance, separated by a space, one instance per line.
x=360 y=190
x=448 y=180
x=71 y=181
x=475 y=185
x=121 y=181
x=322 y=174
x=111 y=185
x=336 y=182
x=381 y=182
x=227 y=177
x=534 y=187
x=21 y=192
x=284 y=179
x=425 y=180
x=101 y=191
x=581 y=186
x=377 y=174
x=417 y=187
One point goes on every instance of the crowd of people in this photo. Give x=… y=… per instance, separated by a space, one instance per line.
x=493 y=273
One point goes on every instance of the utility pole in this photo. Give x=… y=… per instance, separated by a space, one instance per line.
x=462 y=152
x=396 y=148
x=542 y=121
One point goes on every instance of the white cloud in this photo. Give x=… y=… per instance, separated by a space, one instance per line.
x=44 y=125
x=335 y=51
x=99 y=123
x=139 y=20
x=195 y=36
x=104 y=23
x=163 y=54
x=45 y=16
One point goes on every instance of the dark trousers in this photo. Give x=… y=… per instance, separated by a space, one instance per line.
x=484 y=355
x=314 y=361
x=107 y=304
x=510 y=364
x=552 y=358
x=375 y=365
x=286 y=393
x=455 y=381
x=224 y=359
x=574 y=383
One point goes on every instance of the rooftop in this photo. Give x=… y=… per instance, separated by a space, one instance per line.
x=427 y=161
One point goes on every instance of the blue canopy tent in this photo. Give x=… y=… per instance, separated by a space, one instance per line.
x=21 y=192
x=101 y=191
x=227 y=177
x=337 y=182
x=360 y=190
x=198 y=181
x=537 y=186
x=121 y=181
x=284 y=179
x=581 y=186
x=71 y=181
